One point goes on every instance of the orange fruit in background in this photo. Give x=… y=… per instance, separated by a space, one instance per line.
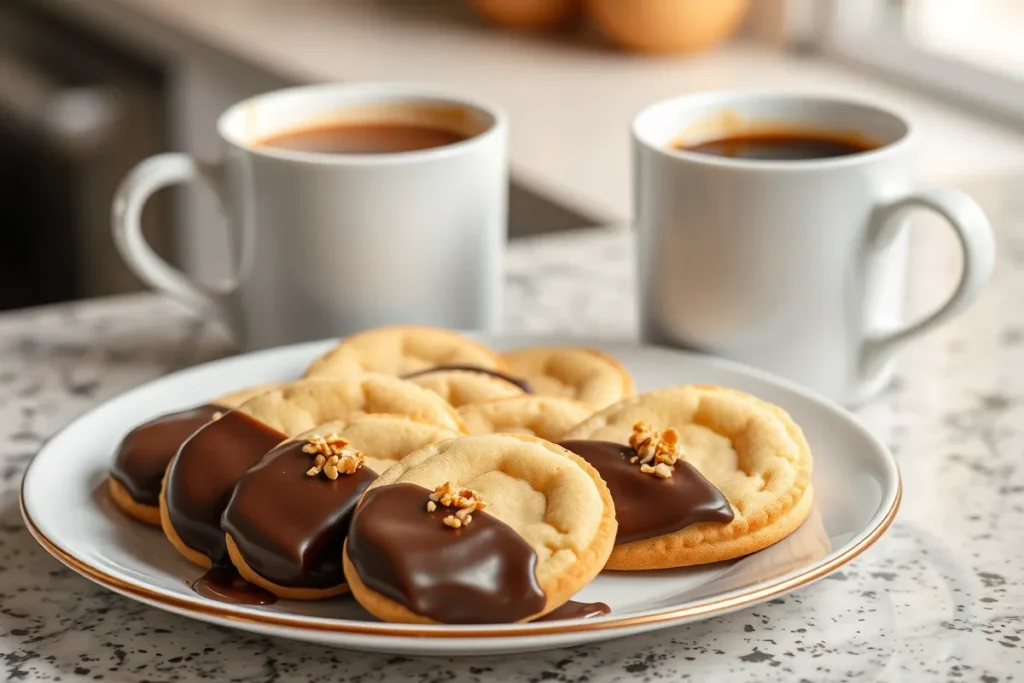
x=528 y=14
x=667 y=25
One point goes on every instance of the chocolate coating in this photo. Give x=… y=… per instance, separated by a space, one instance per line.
x=144 y=453
x=203 y=474
x=645 y=505
x=519 y=382
x=290 y=527
x=483 y=573
x=577 y=610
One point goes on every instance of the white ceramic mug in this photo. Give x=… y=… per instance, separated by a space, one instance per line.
x=798 y=267
x=326 y=244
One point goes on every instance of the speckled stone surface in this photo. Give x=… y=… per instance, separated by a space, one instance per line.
x=941 y=597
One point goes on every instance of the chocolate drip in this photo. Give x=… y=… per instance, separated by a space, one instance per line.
x=144 y=453
x=519 y=382
x=577 y=610
x=480 y=574
x=290 y=527
x=646 y=506
x=203 y=474
x=224 y=584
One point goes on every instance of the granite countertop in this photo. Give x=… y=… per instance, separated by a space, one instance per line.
x=940 y=597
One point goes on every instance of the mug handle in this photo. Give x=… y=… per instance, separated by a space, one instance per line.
x=138 y=186
x=972 y=229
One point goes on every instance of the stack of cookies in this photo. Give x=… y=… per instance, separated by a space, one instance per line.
x=442 y=482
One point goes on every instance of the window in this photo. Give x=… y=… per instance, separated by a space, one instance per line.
x=968 y=50
x=986 y=33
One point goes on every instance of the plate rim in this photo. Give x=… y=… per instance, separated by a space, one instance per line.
x=731 y=600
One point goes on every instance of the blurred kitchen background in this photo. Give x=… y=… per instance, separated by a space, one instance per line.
x=90 y=87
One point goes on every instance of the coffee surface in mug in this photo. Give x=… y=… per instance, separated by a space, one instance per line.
x=782 y=145
x=364 y=138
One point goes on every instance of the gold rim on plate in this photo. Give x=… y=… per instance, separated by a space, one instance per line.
x=707 y=608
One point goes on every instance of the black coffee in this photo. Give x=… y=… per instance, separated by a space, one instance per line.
x=364 y=138
x=782 y=146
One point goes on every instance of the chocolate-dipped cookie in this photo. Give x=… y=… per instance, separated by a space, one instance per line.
x=403 y=349
x=142 y=456
x=202 y=475
x=480 y=529
x=698 y=474
x=289 y=514
x=461 y=385
x=583 y=374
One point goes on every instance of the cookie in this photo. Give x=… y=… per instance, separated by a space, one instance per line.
x=699 y=474
x=586 y=375
x=386 y=439
x=400 y=350
x=481 y=529
x=459 y=387
x=300 y=406
x=237 y=398
x=143 y=455
x=547 y=417
x=289 y=514
x=204 y=472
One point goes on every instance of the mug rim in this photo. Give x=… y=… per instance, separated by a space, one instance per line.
x=728 y=97
x=498 y=123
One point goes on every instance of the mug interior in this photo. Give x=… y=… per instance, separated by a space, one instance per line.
x=249 y=123
x=694 y=119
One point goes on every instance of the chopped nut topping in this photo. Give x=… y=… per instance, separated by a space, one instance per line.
x=466 y=501
x=446 y=495
x=332 y=456
x=656 y=453
x=661 y=470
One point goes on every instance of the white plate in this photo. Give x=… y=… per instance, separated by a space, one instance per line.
x=65 y=505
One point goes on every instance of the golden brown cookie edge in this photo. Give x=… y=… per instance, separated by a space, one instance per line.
x=284 y=592
x=188 y=553
x=147 y=514
x=674 y=550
